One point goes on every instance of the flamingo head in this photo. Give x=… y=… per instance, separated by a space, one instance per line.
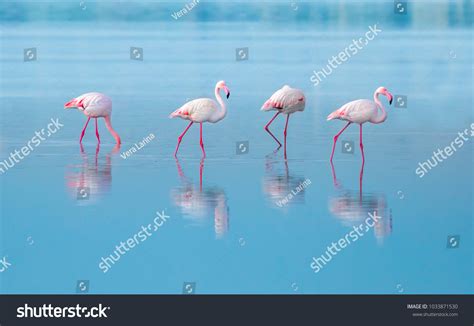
x=75 y=103
x=382 y=90
x=221 y=85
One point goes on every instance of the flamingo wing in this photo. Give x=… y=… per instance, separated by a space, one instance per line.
x=198 y=110
x=286 y=99
x=96 y=104
x=358 y=111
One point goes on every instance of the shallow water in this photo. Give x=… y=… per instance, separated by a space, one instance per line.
x=228 y=230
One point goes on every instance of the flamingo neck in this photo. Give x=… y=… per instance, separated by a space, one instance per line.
x=108 y=124
x=380 y=117
x=223 y=111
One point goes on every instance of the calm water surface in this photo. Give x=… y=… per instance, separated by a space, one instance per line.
x=226 y=230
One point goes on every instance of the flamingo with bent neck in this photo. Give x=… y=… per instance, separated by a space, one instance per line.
x=361 y=111
x=202 y=110
x=94 y=105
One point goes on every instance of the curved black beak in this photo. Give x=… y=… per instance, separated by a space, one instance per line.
x=228 y=94
x=391 y=100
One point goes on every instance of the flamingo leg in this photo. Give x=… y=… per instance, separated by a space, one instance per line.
x=84 y=130
x=336 y=137
x=97 y=130
x=361 y=146
x=268 y=130
x=180 y=170
x=334 y=177
x=201 y=168
x=201 y=142
x=285 y=132
x=181 y=137
x=361 y=175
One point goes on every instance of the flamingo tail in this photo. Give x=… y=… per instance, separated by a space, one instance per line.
x=267 y=106
x=333 y=115
x=178 y=113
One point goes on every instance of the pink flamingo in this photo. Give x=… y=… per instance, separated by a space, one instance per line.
x=286 y=100
x=94 y=105
x=202 y=110
x=361 y=111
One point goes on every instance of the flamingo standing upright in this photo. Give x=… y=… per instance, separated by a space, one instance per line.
x=202 y=110
x=286 y=100
x=361 y=111
x=94 y=105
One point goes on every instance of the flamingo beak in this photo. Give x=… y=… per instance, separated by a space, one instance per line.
x=227 y=92
x=389 y=97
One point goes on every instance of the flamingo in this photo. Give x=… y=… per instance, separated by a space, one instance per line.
x=202 y=110
x=361 y=111
x=94 y=105
x=286 y=100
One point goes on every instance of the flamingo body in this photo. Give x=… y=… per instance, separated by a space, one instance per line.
x=358 y=111
x=198 y=110
x=286 y=100
x=94 y=105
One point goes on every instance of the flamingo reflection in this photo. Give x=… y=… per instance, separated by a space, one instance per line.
x=198 y=203
x=91 y=179
x=281 y=187
x=352 y=207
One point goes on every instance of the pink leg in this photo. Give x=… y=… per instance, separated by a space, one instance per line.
x=201 y=142
x=84 y=130
x=285 y=132
x=336 y=137
x=97 y=130
x=268 y=130
x=361 y=175
x=362 y=146
x=201 y=167
x=181 y=137
x=334 y=178
x=180 y=170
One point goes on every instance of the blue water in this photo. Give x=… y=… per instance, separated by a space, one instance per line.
x=227 y=233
